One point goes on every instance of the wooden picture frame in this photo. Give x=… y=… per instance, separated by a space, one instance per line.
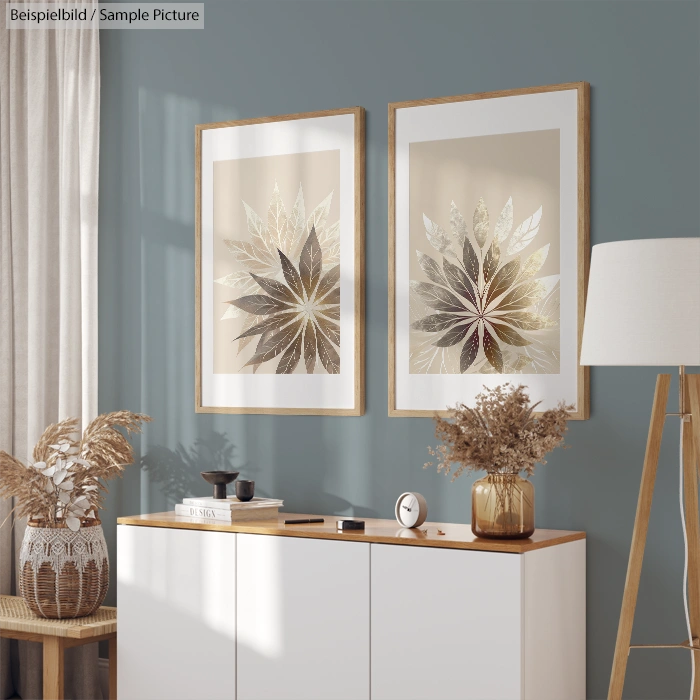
x=577 y=120
x=252 y=153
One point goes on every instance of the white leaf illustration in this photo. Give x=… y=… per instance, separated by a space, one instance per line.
x=49 y=471
x=40 y=465
x=277 y=221
x=458 y=224
x=59 y=476
x=66 y=485
x=256 y=229
x=481 y=222
x=504 y=223
x=525 y=233
x=437 y=237
x=64 y=497
x=73 y=523
x=250 y=256
x=319 y=216
x=297 y=223
x=329 y=235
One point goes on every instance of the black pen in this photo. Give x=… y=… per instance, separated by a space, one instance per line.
x=304 y=521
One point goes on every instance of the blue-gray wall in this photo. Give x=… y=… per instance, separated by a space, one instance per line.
x=264 y=58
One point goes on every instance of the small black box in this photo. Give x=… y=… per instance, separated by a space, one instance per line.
x=351 y=524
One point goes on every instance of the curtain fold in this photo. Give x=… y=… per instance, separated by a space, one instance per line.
x=49 y=158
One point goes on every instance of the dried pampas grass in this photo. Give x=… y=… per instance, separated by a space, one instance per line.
x=65 y=481
x=500 y=435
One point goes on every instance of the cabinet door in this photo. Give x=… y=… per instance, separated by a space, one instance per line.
x=303 y=619
x=176 y=614
x=445 y=624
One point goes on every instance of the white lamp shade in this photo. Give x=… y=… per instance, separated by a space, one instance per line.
x=643 y=304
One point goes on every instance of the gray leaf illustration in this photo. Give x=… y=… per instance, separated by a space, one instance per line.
x=459 y=282
x=249 y=321
x=470 y=350
x=329 y=329
x=328 y=282
x=272 y=323
x=310 y=263
x=329 y=357
x=453 y=336
x=332 y=312
x=290 y=359
x=471 y=262
x=436 y=297
x=493 y=351
x=275 y=343
x=332 y=298
x=503 y=279
x=275 y=289
x=291 y=275
x=431 y=268
x=436 y=322
x=493 y=257
x=260 y=304
x=310 y=347
x=508 y=335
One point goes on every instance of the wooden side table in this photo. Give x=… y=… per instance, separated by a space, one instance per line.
x=17 y=621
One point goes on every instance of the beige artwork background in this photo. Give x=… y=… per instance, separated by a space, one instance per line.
x=524 y=166
x=252 y=180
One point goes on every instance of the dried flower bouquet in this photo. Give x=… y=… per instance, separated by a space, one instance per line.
x=64 y=483
x=500 y=435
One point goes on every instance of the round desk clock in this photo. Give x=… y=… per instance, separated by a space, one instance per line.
x=411 y=509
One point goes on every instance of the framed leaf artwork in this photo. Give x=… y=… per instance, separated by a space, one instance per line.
x=488 y=247
x=279 y=264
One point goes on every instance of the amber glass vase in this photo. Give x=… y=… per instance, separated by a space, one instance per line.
x=503 y=505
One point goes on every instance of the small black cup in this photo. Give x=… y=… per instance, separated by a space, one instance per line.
x=245 y=489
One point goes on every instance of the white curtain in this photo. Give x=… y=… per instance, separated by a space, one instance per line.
x=49 y=147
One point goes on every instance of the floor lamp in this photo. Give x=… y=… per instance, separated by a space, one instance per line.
x=643 y=308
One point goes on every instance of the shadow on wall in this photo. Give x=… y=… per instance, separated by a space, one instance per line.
x=176 y=472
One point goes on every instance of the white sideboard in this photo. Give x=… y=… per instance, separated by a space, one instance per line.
x=263 y=611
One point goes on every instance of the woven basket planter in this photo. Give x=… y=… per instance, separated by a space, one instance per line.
x=64 y=574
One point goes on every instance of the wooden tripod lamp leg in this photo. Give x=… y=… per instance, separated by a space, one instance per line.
x=693 y=406
x=639 y=537
x=692 y=523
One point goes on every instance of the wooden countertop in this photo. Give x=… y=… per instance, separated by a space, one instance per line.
x=457 y=536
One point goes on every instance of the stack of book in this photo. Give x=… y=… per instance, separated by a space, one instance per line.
x=229 y=509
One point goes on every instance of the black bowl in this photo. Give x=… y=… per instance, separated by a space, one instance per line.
x=219 y=480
